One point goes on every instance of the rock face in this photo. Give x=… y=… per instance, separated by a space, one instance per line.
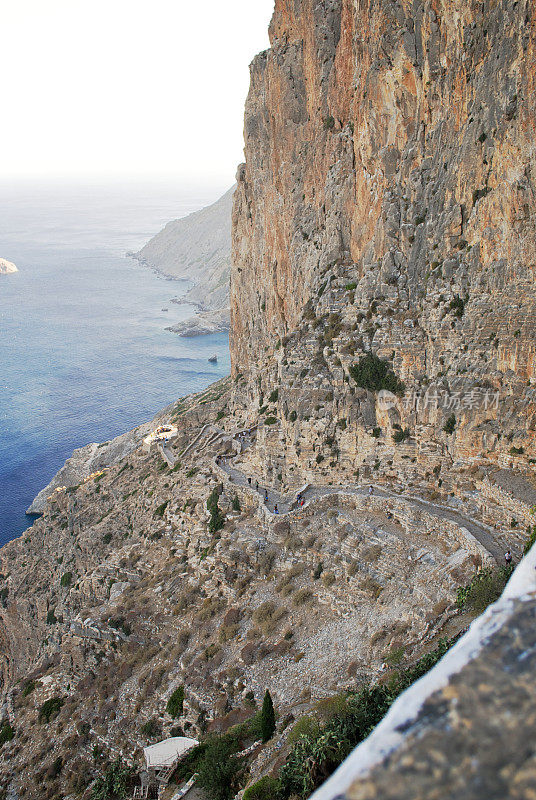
x=7 y=267
x=198 y=248
x=387 y=204
x=203 y=323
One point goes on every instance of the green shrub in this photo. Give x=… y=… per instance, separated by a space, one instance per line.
x=267 y=722
x=218 y=769
x=270 y=421
x=293 y=416
x=120 y=624
x=51 y=617
x=376 y=432
x=319 y=569
x=517 y=451
x=401 y=436
x=217 y=517
x=530 y=541
x=274 y=396
x=6 y=733
x=329 y=123
x=305 y=726
x=236 y=504
x=485 y=588
x=266 y=788
x=28 y=688
x=50 y=709
x=151 y=728
x=217 y=520
x=159 y=512
x=115 y=784
x=66 y=579
x=351 y=286
x=450 y=424
x=175 y=704
x=374 y=374
x=457 y=306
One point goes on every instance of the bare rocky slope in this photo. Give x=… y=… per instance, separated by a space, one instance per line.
x=382 y=336
x=198 y=248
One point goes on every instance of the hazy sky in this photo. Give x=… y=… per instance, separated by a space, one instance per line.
x=127 y=87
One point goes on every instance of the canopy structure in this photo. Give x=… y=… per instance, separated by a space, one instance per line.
x=162 y=434
x=168 y=752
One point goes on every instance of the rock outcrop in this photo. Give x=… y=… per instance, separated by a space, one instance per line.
x=197 y=248
x=92 y=458
x=203 y=323
x=7 y=267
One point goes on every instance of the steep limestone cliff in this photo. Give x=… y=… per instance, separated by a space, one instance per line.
x=387 y=204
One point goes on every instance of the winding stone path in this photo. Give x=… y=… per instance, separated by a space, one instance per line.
x=287 y=504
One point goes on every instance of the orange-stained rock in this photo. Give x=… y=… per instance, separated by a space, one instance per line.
x=390 y=149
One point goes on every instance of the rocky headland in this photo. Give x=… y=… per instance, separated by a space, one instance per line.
x=7 y=267
x=197 y=248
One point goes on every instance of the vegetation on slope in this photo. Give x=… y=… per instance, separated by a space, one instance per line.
x=375 y=374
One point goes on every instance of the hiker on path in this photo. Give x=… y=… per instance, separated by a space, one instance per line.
x=276 y=510
x=508 y=558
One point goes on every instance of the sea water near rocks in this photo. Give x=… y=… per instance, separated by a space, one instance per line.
x=84 y=354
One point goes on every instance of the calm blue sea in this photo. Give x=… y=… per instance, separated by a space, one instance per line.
x=84 y=354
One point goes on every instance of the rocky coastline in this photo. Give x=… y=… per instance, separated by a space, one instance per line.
x=197 y=248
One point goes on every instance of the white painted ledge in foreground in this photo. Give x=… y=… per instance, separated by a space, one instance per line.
x=386 y=737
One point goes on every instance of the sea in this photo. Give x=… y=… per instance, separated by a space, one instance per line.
x=84 y=350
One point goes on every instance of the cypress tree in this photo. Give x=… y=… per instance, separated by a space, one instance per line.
x=267 y=718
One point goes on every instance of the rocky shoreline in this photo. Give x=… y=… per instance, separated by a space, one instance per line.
x=197 y=248
x=203 y=323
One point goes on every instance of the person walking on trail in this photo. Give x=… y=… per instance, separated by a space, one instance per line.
x=508 y=558
x=276 y=510
x=249 y=481
x=266 y=495
x=257 y=485
x=371 y=490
